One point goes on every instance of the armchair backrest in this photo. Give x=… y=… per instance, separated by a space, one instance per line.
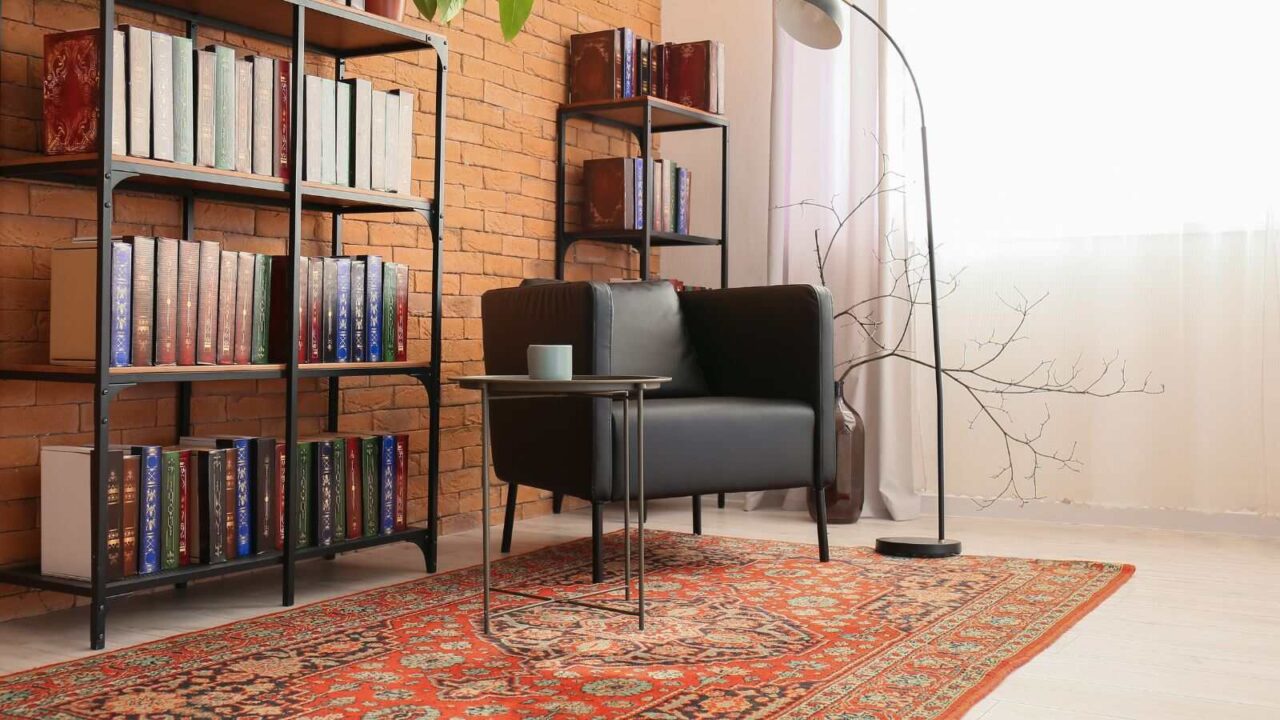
x=649 y=337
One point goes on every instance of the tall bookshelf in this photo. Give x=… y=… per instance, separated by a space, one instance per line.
x=315 y=26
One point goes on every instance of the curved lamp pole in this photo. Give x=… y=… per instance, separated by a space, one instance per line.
x=820 y=24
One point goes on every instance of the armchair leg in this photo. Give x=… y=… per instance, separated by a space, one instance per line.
x=697 y=514
x=509 y=522
x=557 y=503
x=720 y=501
x=824 y=549
x=597 y=542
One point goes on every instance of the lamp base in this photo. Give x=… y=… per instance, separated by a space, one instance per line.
x=917 y=547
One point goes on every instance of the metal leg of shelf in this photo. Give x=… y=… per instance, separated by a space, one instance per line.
x=295 y=251
x=561 y=247
x=437 y=221
x=646 y=152
x=724 y=217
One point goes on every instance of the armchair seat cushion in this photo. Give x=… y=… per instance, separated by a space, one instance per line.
x=705 y=445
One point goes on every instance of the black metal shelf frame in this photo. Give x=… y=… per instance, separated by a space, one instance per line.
x=237 y=15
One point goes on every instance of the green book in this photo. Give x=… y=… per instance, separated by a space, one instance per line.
x=389 y=312
x=224 y=108
x=184 y=117
x=339 y=489
x=369 y=473
x=170 y=482
x=261 y=308
x=301 y=484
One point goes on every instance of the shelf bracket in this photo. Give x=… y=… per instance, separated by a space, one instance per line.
x=115 y=178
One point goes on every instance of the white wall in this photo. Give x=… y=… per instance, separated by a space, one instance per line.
x=746 y=28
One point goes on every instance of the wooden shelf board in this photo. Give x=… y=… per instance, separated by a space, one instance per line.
x=630 y=113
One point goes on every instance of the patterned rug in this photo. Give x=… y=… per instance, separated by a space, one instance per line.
x=736 y=629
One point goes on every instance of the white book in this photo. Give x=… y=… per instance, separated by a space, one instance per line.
x=329 y=131
x=119 y=91
x=377 y=142
x=264 y=72
x=184 y=102
x=138 y=49
x=244 y=115
x=161 y=96
x=206 y=66
x=391 y=143
x=404 y=163
x=312 y=131
x=361 y=120
x=342 y=131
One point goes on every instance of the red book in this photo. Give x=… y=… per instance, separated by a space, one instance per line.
x=244 y=308
x=166 y=298
x=277 y=496
x=595 y=66
x=315 y=291
x=72 y=82
x=402 y=312
x=280 y=345
x=207 y=308
x=283 y=84
x=689 y=74
x=355 y=519
x=402 y=480
x=188 y=299
x=184 y=507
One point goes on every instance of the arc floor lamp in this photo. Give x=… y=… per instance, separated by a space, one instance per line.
x=820 y=24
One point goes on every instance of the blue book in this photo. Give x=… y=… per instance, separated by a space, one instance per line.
x=121 y=304
x=387 y=488
x=639 y=192
x=244 y=503
x=344 y=310
x=628 y=62
x=373 y=306
x=682 y=202
x=149 y=508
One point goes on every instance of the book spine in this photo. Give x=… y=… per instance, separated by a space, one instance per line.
x=355 y=517
x=628 y=42
x=638 y=191
x=304 y=304
x=378 y=148
x=129 y=524
x=121 y=297
x=206 y=66
x=227 y=275
x=313 y=129
x=323 y=485
x=390 y=143
x=188 y=299
x=213 y=480
x=143 y=300
x=315 y=309
x=369 y=481
x=329 y=311
x=149 y=555
x=115 y=515
x=263 y=153
x=342 y=314
x=184 y=120
x=387 y=489
x=686 y=180
x=264 y=479
x=720 y=78
x=338 y=489
x=244 y=307
x=230 y=504
x=404 y=164
x=328 y=131
x=277 y=496
x=224 y=124
x=362 y=119
x=389 y=280
x=170 y=483
x=280 y=347
x=642 y=67
x=244 y=499
x=162 y=96
x=359 y=312
x=261 y=309
x=357 y=4
x=185 y=468
x=342 y=133
x=120 y=90
x=373 y=307
x=402 y=481
x=281 y=106
x=207 y=303
x=302 y=488
x=166 y=289
x=402 y=312
x=244 y=115
x=656 y=175
x=195 y=507
x=139 y=81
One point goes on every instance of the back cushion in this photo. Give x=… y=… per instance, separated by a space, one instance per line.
x=649 y=338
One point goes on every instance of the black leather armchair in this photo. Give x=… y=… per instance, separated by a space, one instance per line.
x=749 y=407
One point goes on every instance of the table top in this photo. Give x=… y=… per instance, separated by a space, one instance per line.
x=580 y=384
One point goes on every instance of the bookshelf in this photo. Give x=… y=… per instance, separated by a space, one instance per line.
x=643 y=117
x=302 y=26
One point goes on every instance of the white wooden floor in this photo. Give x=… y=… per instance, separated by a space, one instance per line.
x=1195 y=635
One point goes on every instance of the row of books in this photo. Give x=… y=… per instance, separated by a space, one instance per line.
x=618 y=64
x=211 y=108
x=614 y=193
x=213 y=499
x=355 y=309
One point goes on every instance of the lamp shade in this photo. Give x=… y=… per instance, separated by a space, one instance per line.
x=816 y=23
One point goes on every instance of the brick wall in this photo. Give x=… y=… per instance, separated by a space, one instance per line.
x=499 y=212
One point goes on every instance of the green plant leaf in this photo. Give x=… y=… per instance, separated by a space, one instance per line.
x=427 y=8
x=449 y=9
x=513 y=14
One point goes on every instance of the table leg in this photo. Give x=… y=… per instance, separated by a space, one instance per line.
x=626 y=498
x=640 y=484
x=484 y=494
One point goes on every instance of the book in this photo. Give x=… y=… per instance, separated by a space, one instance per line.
x=362 y=121
x=206 y=67
x=683 y=200
x=170 y=484
x=262 y=453
x=149 y=513
x=143 y=301
x=342 y=312
x=390 y=281
x=644 y=77
x=717 y=75
x=338 y=488
x=244 y=307
x=313 y=129
x=689 y=74
x=207 y=303
x=609 y=201
x=188 y=299
x=264 y=118
x=277 y=495
x=115 y=515
x=329 y=310
x=342 y=133
x=658 y=64
x=261 y=309
x=595 y=67
x=129 y=524
x=391 y=143
x=328 y=131
x=224 y=107
x=121 y=299
x=669 y=187
x=302 y=491
x=244 y=115
x=229 y=512
x=658 y=222
x=227 y=275
x=162 y=96
x=353 y=449
x=402 y=481
x=184 y=119
x=322 y=482
x=378 y=146
x=166 y=290
x=138 y=79
x=370 y=477
x=241 y=510
x=209 y=510
x=281 y=106
x=280 y=306
x=186 y=467
x=373 y=306
x=72 y=88
x=387 y=487
x=358 y=313
x=637 y=191
x=627 y=41
x=404 y=139
x=402 y=312
x=315 y=309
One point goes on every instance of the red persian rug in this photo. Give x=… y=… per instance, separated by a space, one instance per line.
x=737 y=629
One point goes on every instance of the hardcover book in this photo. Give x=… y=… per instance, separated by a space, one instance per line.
x=244 y=115
x=244 y=307
x=261 y=309
x=186 y=466
x=149 y=514
x=72 y=82
x=370 y=477
x=210 y=510
x=352 y=450
x=162 y=96
x=637 y=191
x=378 y=145
x=362 y=121
x=659 y=225
x=207 y=303
x=129 y=525
x=342 y=313
x=404 y=152
x=358 y=311
x=609 y=201
x=280 y=343
x=264 y=118
x=166 y=289
x=402 y=481
x=227 y=274
x=206 y=67
x=229 y=504
x=241 y=508
x=115 y=515
x=277 y=495
x=313 y=129
x=402 y=312
x=689 y=74
x=339 y=489
x=682 y=201
x=224 y=104
x=170 y=485
x=121 y=299
x=373 y=306
x=184 y=90
x=188 y=299
x=328 y=131
x=659 y=64
x=329 y=310
x=315 y=309
x=143 y=301
x=323 y=483
x=342 y=133
x=644 y=56
x=281 y=107
x=627 y=41
x=387 y=488
x=302 y=490
x=262 y=451
x=138 y=77
x=389 y=288
x=595 y=71
x=391 y=143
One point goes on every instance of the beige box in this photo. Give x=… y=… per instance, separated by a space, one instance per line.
x=73 y=298
x=65 y=473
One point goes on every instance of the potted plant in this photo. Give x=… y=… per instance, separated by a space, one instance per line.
x=512 y=13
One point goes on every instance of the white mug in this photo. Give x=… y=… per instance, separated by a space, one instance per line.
x=551 y=362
